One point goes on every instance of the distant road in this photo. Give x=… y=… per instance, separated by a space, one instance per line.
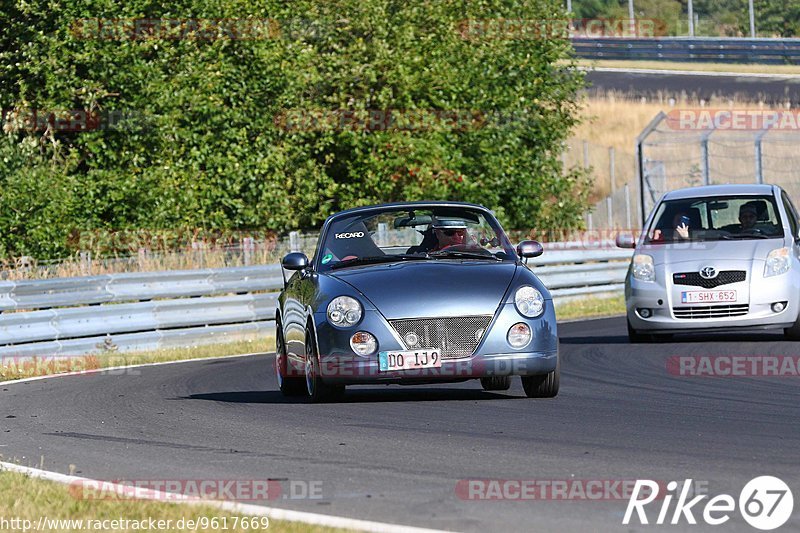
x=698 y=85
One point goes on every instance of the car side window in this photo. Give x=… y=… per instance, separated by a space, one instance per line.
x=791 y=213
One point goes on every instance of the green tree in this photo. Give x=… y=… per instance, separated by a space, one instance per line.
x=206 y=144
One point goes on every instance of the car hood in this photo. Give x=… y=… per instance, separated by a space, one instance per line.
x=744 y=250
x=436 y=288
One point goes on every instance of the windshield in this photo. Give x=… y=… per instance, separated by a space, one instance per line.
x=413 y=234
x=716 y=219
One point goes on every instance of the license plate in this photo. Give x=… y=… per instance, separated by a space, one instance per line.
x=410 y=359
x=694 y=297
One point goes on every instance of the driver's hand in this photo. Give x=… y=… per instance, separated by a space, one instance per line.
x=683 y=231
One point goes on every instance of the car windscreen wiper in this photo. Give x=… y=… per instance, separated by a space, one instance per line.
x=465 y=255
x=375 y=259
x=735 y=236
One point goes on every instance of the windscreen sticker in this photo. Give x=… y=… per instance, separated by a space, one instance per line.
x=327 y=258
x=353 y=235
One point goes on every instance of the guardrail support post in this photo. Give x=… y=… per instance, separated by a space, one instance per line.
x=294 y=241
x=704 y=160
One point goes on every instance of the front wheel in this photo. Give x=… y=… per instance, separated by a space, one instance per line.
x=496 y=383
x=289 y=386
x=636 y=337
x=318 y=391
x=544 y=386
x=793 y=333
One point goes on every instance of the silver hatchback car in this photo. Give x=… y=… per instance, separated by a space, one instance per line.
x=715 y=258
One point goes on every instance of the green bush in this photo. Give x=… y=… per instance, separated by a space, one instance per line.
x=208 y=137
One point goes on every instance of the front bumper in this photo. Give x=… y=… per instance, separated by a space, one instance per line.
x=492 y=357
x=356 y=370
x=756 y=294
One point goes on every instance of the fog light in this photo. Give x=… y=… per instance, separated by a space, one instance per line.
x=644 y=312
x=363 y=343
x=519 y=335
x=411 y=339
x=777 y=307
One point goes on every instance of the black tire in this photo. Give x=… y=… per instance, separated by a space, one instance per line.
x=316 y=389
x=636 y=337
x=544 y=386
x=289 y=386
x=793 y=333
x=496 y=383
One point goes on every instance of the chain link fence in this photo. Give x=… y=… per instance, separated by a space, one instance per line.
x=616 y=191
x=693 y=147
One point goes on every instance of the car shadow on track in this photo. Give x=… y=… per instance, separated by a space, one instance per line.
x=357 y=396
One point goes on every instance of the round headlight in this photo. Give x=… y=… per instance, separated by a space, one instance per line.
x=519 y=335
x=529 y=301
x=363 y=343
x=344 y=311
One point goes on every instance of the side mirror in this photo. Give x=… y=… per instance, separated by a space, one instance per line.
x=295 y=261
x=528 y=249
x=626 y=240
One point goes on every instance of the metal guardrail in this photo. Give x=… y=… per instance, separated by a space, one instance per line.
x=111 y=288
x=152 y=310
x=719 y=49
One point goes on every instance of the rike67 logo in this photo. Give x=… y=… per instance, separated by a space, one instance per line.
x=765 y=503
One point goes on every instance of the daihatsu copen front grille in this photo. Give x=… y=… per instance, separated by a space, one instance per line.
x=456 y=337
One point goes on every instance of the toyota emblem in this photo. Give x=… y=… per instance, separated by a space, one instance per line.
x=708 y=272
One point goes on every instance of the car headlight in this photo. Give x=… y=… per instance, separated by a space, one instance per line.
x=778 y=262
x=529 y=301
x=643 y=268
x=363 y=343
x=344 y=311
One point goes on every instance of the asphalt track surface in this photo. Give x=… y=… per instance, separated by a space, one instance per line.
x=739 y=87
x=395 y=454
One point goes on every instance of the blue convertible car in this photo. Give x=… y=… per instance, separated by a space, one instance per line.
x=413 y=293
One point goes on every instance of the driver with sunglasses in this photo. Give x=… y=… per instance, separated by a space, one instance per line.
x=449 y=233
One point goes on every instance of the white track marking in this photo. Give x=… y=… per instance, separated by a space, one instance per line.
x=231 y=507
x=124 y=367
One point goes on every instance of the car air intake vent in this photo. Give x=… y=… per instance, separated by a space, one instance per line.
x=711 y=311
x=455 y=336
x=695 y=280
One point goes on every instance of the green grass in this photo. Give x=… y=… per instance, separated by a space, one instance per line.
x=591 y=307
x=25 y=498
x=12 y=368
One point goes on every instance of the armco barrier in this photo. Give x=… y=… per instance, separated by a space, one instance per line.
x=152 y=310
x=716 y=49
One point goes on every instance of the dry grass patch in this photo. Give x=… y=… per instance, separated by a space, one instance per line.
x=27 y=499
x=591 y=307
x=20 y=368
x=695 y=67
